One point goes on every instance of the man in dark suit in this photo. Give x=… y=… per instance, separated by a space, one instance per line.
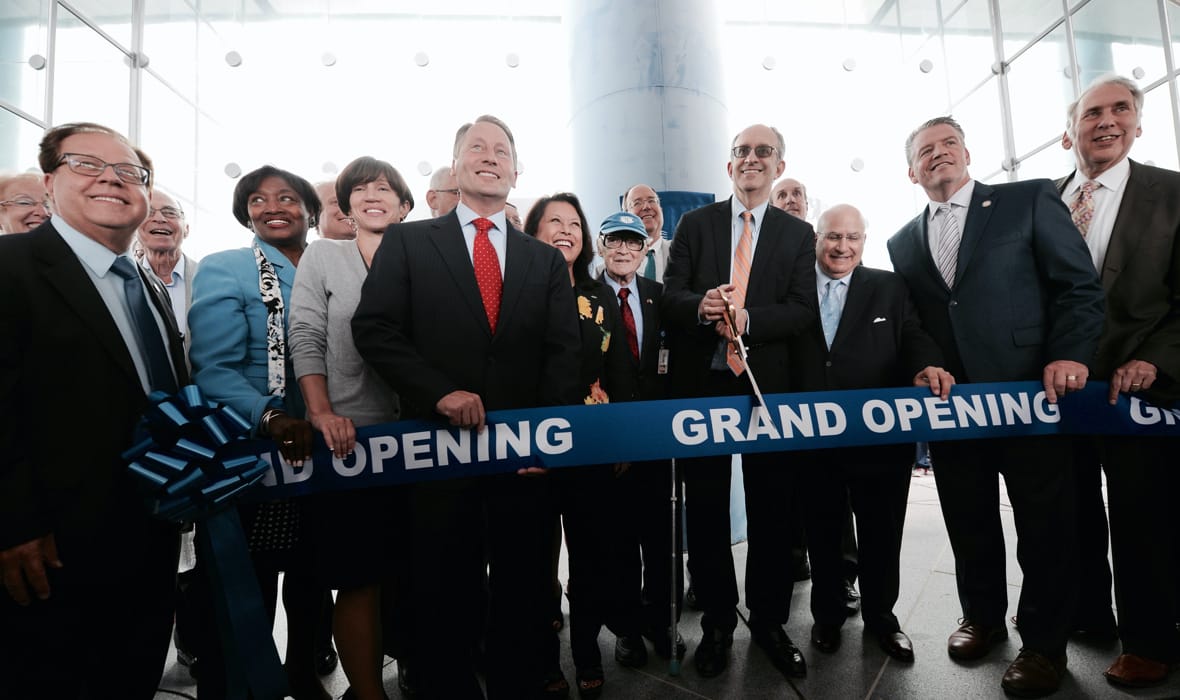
x=85 y=569
x=1006 y=288
x=761 y=261
x=455 y=337
x=646 y=486
x=1129 y=215
x=868 y=335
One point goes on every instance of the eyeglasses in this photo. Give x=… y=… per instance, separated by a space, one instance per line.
x=92 y=167
x=833 y=237
x=612 y=241
x=169 y=213
x=25 y=203
x=762 y=151
x=648 y=201
x=454 y=191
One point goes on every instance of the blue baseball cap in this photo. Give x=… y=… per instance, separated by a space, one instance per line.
x=623 y=222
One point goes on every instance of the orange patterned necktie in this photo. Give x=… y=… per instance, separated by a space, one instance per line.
x=740 y=278
x=487 y=271
x=1082 y=209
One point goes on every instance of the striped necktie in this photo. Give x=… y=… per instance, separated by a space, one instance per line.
x=947 y=255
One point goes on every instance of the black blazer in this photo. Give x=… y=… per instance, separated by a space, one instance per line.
x=879 y=342
x=1141 y=277
x=69 y=393
x=650 y=385
x=1025 y=293
x=780 y=295
x=604 y=357
x=421 y=323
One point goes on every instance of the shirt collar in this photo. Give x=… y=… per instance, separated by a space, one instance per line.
x=960 y=198
x=758 y=210
x=615 y=286
x=822 y=278
x=467 y=215
x=93 y=254
x=1113 y=178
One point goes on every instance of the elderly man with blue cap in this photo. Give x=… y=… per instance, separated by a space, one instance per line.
x=646 y=568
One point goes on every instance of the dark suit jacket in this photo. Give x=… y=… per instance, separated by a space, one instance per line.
x=69 y=394
x=650 y=385
x=1141 y=277
x=879 y=343
x=604 y=356
x=780 y=294
x=421 y=323
x=1025 y=293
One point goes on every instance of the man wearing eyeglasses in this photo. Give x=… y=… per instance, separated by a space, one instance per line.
x=160 y=238
x=642 y=201
x=647 y=570
x=867 y=335
x=85 y=336
x=740 y=253
x=24 y=203
x=443 y=195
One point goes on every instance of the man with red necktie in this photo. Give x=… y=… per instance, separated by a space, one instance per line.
x=461 y=315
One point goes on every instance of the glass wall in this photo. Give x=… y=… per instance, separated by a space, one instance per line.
x=213 y=88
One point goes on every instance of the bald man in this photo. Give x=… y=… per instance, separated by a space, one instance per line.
x=790 y=195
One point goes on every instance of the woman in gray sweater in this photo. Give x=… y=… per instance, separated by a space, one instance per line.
x=353 y=530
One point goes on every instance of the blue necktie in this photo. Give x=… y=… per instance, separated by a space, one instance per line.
x=649 y=270
x=155 y=355
x=829 y=311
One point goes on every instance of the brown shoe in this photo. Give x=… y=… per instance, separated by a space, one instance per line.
x=1135 y=671
x=973 y=640
x=1033 y=675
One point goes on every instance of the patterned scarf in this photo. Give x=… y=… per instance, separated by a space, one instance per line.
x=276 y=332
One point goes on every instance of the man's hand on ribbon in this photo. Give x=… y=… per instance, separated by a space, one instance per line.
x=1134 y=375
x=23 y=567
x=339 y=432
x=463 y=408
x=938 y=379
x=1061 y=376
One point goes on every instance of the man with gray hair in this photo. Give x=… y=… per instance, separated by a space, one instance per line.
x=1006 y=288
x=642 y=201
x=443 y=195
x=1128 y=214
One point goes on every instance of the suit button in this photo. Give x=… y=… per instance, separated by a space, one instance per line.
x=953 y=303
x=828 y=363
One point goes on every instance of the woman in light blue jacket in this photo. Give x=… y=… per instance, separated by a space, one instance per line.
x=238 y=323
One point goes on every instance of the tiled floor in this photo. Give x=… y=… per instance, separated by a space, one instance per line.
x=928 y=610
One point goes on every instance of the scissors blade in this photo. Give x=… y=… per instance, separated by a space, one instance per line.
x=742 y=354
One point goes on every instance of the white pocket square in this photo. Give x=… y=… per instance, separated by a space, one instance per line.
x=879 y=319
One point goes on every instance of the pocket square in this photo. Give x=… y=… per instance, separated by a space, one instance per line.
x=879 y=319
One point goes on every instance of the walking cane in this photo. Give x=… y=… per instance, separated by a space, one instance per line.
x=673 y=629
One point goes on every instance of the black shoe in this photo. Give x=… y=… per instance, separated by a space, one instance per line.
x=783 y=653
x=189 y=661
x=851 y=599
x=406 y=679
x=801 y=570
x=661 y=641
x=712 y=655
x=826 y=638
x=630 y=651
x=326 y=661
x=897 y=645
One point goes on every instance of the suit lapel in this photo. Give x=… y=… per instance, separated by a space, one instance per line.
x=855 y=304
x=517 y=261
x=978 y=215
x=1129 y=224
x=648 y=301
x=764 y=252
x=722 y=243
x=63 y=271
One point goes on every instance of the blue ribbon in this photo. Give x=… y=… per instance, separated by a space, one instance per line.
x=564 y=436
x=193 y=466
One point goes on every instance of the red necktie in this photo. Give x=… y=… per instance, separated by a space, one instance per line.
x=629 y=322
x=487 y=271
